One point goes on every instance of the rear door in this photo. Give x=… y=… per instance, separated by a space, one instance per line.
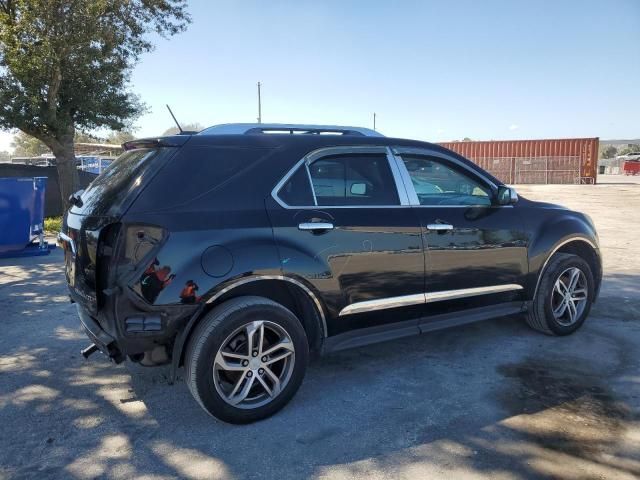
x=342 y=222
x=476 y=250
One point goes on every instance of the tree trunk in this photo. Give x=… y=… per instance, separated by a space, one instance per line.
x=68 y=179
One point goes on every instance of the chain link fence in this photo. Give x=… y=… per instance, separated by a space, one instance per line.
x=540 y=170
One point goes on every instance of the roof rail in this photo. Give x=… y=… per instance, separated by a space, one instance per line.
x=287 y=129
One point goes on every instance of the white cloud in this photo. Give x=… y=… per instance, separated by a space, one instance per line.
x=513 y=126
x=440 y=131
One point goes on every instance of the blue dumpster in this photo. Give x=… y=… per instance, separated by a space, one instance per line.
x=22 y=216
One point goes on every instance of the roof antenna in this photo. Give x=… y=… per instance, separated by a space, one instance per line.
x=174 y=119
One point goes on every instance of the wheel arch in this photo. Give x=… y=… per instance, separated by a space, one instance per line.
x=292 y=293
x=584 y=247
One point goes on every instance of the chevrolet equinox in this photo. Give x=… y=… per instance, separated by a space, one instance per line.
x=239 y=251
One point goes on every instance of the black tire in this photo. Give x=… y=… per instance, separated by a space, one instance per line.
x=540 y=315
x=207 y=339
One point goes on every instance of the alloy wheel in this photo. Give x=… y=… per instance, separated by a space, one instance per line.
x=569 y=296
x=254 y=364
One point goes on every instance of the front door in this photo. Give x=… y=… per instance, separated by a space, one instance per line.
x=476 y=250
x=343 y=225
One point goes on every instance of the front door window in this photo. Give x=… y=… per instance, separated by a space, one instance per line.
x=436 y=183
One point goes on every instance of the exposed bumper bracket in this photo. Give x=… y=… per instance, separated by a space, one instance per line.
x=90 y=350
x=101 y=340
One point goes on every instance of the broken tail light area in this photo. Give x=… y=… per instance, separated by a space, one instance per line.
x=140 y=256
x=141 y=241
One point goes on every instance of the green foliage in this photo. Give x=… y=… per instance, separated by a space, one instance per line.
x=82 y=137
x=608 y=151
x=630 y=148
x=189 y=127
x=118 y=138
x=52 y=224
x=27 y=146
x=65 y=64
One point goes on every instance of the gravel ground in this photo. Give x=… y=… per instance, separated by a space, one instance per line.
x=489 y=400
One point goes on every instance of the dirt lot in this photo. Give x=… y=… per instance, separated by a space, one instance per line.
x=490 y=400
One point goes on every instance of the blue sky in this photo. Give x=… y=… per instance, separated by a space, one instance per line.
x=432 y=70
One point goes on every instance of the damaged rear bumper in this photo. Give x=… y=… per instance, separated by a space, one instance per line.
x=105 y=342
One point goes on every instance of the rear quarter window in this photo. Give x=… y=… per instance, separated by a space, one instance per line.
x=198 y=171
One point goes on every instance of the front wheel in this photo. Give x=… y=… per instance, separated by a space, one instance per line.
x=564 y=296
x=246 y=359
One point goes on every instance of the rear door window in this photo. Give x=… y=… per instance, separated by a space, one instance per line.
x=353 y=179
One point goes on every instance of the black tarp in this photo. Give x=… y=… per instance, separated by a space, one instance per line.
x=53 y=206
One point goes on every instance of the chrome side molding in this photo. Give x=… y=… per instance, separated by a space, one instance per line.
x=469 y=292
x=383 y=303
x=424 y=298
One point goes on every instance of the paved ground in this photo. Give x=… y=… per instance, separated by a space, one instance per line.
x=491 y=400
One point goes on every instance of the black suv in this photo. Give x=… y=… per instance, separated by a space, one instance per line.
x=241 y=250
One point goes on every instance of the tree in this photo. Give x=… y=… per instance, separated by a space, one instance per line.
x=118 y=138
x=608 y=151
x=65 y=64
x=630 y=148
x=27 y=146
x=189 y=127
x=82 y=137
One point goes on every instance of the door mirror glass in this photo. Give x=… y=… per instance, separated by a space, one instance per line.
x=358 y=189
x=507 y=195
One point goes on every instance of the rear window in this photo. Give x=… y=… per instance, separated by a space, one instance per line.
x=106 y=195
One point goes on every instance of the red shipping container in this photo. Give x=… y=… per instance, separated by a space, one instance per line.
x=568 y=160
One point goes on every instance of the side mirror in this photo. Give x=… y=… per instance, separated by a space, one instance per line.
x=507 y=195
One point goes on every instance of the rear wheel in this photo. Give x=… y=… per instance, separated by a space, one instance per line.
x=246 y=359
x=564 y=296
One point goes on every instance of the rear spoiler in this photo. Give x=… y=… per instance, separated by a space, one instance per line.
x=157 y=142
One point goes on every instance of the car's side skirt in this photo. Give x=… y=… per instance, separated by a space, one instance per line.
x=392 y=331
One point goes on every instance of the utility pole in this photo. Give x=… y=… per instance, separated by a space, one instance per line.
x=259 y=105
x=374 y=120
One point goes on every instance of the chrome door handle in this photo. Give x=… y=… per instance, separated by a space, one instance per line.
x=314 y=226
x=439 y=227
